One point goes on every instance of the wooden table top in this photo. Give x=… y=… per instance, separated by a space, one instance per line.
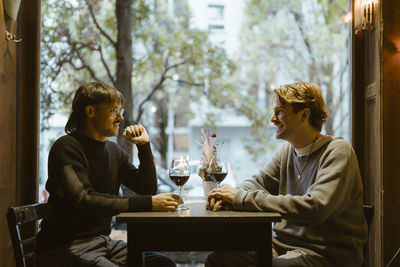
x=198 y=214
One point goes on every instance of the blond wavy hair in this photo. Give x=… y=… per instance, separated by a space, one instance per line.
x=303 y=95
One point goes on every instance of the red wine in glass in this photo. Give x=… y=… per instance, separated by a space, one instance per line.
x=179 y=173
x=179 y=180
x=220 y=176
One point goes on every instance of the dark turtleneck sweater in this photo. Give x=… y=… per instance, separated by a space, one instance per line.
x=84 y=176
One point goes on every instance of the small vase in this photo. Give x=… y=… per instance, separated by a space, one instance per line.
x=208 y=186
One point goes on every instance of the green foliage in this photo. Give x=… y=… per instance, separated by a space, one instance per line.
x=258 y=142
x=200 y=65
x=79 y=44
x=164 y=45
x=284 y=41
x=280 y=39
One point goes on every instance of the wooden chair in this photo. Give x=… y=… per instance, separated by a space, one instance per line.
x=24 y=246
x=369 y=215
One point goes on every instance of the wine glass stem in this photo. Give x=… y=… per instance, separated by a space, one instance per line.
x=180 y=192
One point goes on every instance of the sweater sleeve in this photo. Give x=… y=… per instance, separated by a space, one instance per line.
x=68 y=180
x=265 y=182
x=325 y=198
x=142 y=180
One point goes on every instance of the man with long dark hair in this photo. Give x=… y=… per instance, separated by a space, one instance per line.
x=85 y=172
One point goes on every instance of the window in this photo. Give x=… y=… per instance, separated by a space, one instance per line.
x=216 y=27
x=181 y=142
x=195 y=65
x=216 y=22
x=216 y=12
x=185 y=80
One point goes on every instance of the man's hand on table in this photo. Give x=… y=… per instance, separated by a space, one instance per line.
x=165 y=202
x=221 y=198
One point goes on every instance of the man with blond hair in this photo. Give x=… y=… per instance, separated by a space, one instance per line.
x=313 y=181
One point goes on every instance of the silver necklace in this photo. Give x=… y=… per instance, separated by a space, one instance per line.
x=299 y=172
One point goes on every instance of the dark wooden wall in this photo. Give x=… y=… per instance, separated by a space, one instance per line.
x=19 y=87
x=376 y=125
x=390 y=62
x=8 y=134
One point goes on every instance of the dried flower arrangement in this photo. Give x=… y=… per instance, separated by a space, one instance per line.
x=209 y=160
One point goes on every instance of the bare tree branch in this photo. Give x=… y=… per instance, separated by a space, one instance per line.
x=298 y=20
x=106 y=66
x=339 y=101
x=166 y=62
x=87 y=67
x=175 y=65
x=102 y=31
x=76 y=48
x=66 y=58
x=190 y=83
x=149 y=96
x=158 y=86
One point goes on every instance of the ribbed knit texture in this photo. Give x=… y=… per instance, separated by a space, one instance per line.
x=323 y=211
x=84 y=176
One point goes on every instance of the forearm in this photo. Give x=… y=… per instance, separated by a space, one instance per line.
x=147 y=167
x=328 y=196
x=267 y=179
x=142 y=180
x=86 y=199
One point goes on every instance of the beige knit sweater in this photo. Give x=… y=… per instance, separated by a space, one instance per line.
x=323 y=211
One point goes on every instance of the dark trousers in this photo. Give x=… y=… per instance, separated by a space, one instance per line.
x=281 y=257
x=100 y=251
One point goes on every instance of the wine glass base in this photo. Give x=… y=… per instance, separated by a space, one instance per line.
x=182 y=207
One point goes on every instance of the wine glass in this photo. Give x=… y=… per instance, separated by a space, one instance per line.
x=220 y=173
x=179 y=172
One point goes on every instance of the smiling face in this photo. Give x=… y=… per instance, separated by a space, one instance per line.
x=287 y=122
x=103 y=120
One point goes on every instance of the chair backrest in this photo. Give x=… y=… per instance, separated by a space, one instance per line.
x=369 y=215
x=24 y=246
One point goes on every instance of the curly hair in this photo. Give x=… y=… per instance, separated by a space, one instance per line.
x=92 y=93
x=303 y=95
